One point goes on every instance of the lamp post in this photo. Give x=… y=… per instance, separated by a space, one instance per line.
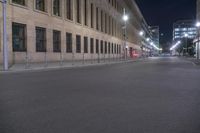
x=5 y=46
x=198 y=28
x=141 y=33
x=186 y=37
x=125 y=18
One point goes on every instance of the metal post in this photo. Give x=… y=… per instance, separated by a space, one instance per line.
x=5 y=45
x=198 y=46
x=125 y=52
x=98 y=57
x=83 y=62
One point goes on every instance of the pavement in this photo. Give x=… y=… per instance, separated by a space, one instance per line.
x=194 y=60
x=35 y=66
x=156 y=95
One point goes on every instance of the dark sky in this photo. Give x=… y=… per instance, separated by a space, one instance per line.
x=165 y=12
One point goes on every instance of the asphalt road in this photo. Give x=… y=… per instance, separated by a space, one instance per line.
x=158 y=95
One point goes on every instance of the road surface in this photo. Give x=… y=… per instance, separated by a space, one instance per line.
x=157 y=95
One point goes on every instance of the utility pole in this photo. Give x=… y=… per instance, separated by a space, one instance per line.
x=198 y=45
x=125 y=18
x=5 y=46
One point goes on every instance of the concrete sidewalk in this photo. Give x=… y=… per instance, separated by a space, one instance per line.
x=193 y=60
x=29 y=66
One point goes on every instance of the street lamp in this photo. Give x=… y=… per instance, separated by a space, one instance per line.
x=186 y=37
x=198 y=28
x=148 y=39
x=5 y=46
x=125 y=18
x=141 y=33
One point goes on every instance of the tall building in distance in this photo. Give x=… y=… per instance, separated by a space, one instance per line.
x=155 y=31
x=198 y=9
x=183 y=29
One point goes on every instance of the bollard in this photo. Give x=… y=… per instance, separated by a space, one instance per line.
x=83 y=61
x=61 y=59
x=72 y=58
x=27 y=61
x=91 y=58
x=45 y=59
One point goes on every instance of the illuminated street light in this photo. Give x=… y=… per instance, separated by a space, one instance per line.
x=186 y=35
x=198 y=24
x=174 y=46
x=141 y=33
x=148 y=39
x=125 y=18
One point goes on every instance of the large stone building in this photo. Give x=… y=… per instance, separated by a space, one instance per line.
x=67 y=29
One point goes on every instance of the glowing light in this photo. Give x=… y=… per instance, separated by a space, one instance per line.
x=174 y=46
x=198 y=24
x=186 y=35
x=141 y=33
x=148 y=39
x=125 y=17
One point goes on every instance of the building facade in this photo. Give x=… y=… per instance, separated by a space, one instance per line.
x=155 y=30
x=183 y=29
x=53 y=29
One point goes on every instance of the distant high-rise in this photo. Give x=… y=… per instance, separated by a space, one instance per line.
x=198 y=9
x=183 y=29
x=155 y=31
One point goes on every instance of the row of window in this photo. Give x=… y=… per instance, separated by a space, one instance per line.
x=104 y=22
x=20 y=42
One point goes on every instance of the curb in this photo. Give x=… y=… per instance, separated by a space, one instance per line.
x=64 y=67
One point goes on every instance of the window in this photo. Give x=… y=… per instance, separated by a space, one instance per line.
x=78 y=44
x=69 y=9
x=97 y=18
x=105 y=23
x=97 y=46
x=106 y=48
x=109 y=25
x=19 y=37
x=20 y=2
x=69 y=42
x=85 y=45
x=56 y=8
x=91 y=45
x=112 y=48
x=101 y=47
x=40 y=5
x=40 y=39
x=112 y=21
x=115 y=50
x=109 y=47
x=78 y=11
x=102 y=21
x=85 y=13
x=56 y=41
x=92 y=15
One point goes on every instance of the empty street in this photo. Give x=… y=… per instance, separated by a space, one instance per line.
x=155 y=95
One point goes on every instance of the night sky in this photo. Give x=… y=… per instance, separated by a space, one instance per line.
x=165 y=12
